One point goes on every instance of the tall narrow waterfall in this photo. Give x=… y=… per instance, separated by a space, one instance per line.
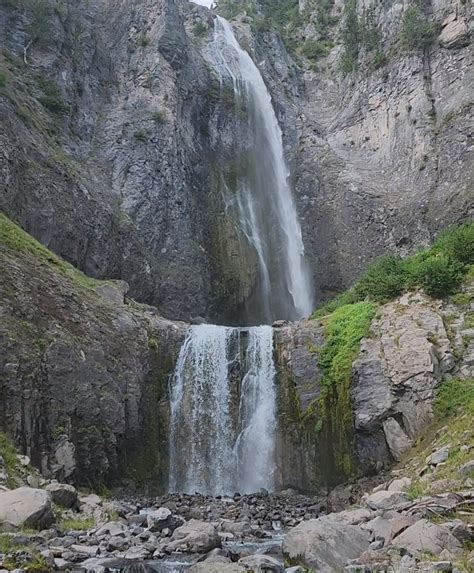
x=223 y=411
x=261 y=197
x=223 y=407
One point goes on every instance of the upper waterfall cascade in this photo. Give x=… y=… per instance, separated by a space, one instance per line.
x=223 y=406
x=262 y=201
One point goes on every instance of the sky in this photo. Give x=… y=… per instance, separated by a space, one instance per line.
x=207 y=3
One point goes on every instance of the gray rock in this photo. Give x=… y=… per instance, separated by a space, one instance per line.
x=386 y=500
x=63 y=494
x=397 y=440
x=26 y=507
x=467 y=469
x=438 y=457
x=217 y=568
x=325 y=544
x=162 y=518
x=425 y=536
x=193 y=537
x=262 y=564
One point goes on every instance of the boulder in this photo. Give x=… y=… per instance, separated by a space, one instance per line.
x=397 y=440
x=63 y=494
x=424 y=536
x=386 y=500
x=193 y=537
x=400 y=484
x=438 y=457
x=324 y=544
x=262 y=564
x=467 y=469
x=206 y=567
x=455 y=33
x=162 y=518
x=26 y=507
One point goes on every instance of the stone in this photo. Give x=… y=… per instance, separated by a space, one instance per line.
x=262 y=564
x=206 y=567
x=138 y=552
x=462 y=532
x=467 y=469
x=401 y=484
x=325 y=544
x=455 y=33
x=193 y=537
x=162 y=518
x=425 y=536
x=438 y=457
x=63 y=494
x=113 y=529
x=26 y=507
x=87 y=550
x=397 y=440
x=386 y=500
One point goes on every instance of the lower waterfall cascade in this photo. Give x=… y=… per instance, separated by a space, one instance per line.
x=223 y=411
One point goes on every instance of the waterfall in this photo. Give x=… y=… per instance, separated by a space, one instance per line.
x=223 y=397
x=264 y=206
x=223 y=411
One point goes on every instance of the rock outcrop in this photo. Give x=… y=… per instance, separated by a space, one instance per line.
x=413 y=345
x=83 y=374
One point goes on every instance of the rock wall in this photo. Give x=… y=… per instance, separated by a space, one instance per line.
x=414 y=343
x=83 y=375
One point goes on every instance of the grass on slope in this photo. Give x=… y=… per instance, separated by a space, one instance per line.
x=439 y=271
x=14 y=238
x=10 y=460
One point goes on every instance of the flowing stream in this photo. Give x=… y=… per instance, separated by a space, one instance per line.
x=223 y=398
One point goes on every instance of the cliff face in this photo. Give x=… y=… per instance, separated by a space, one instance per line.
x=84 y=376
x=115 y=140
x=385 y=155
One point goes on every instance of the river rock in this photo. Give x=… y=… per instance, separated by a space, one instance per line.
x=206 y=567
x=425 y=536
x=438 y=457
x=162 y=518
x=325 y=544
x=262 y=564
x=26 y=507
x=63 y=494
x=193 y=537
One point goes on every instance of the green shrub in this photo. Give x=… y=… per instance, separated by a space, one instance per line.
x=141 y=136
x=313 y=50
x=3 y=79
x=379 y=59
x=437 y=274
x=384 y=280
x=200 y=29
x=343 y=331
x=9 y=456
x=439 y=271
x=76 y=524
x=458 y=243
x=350 y=38
x=144 y=41
x=158 y=116
x=416 y=32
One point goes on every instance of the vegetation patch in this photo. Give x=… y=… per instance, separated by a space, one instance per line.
x=52 y=97
x=439 y=271
x=9 y=457
x=14 y=238
x=76 y=524
x=416 y=32
x=3 y=79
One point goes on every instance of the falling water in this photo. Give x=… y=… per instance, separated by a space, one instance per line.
x=263 y=199
x=223 y=403
x=223 y=375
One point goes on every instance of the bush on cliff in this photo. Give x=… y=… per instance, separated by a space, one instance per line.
x=439 y=271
